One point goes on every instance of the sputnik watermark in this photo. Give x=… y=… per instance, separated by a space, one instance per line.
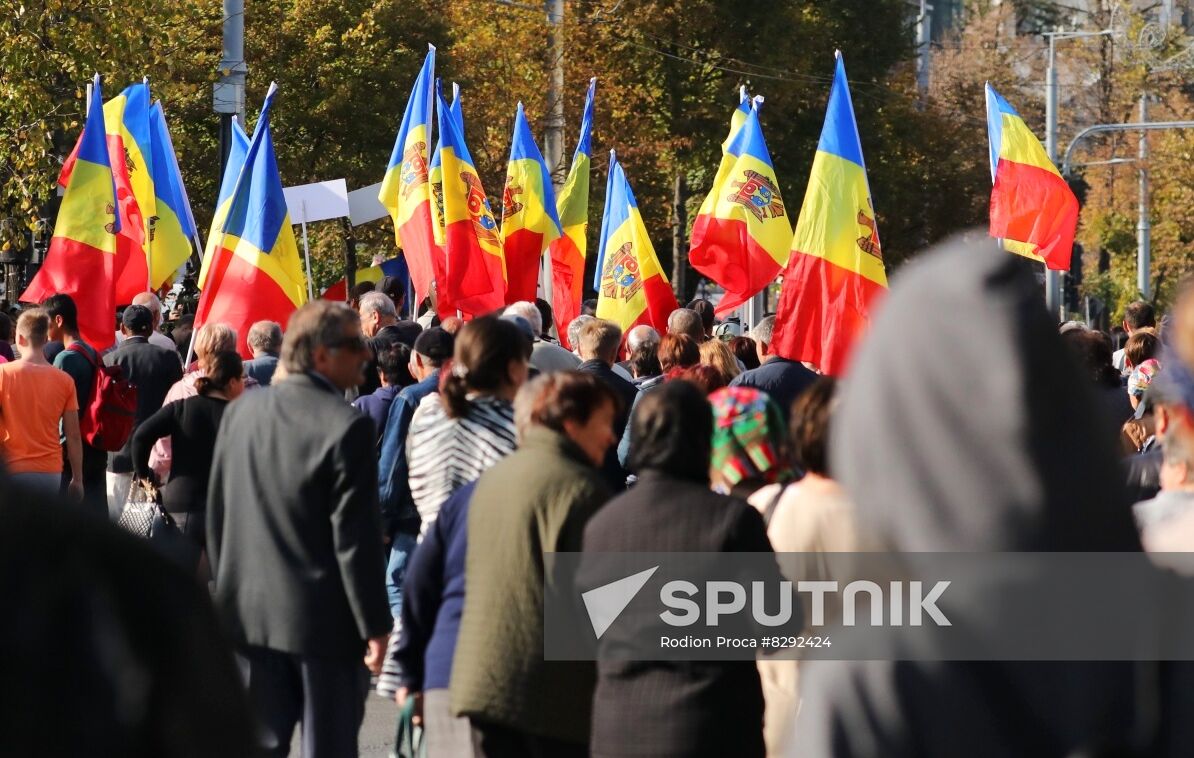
x=726 y=598
x=867 y=606
x=722 y=599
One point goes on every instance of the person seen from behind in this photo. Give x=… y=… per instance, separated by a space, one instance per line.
x=599 y=341
x=1137 y=315
x=209 y=340
x=265 y=342
x=1092 y=351
x=36 y=400
x=745 y=351
x=1004 y=454
x=81 y=361
x=154 y=370
x=468 y=426
x=809 y=520
x=518 y=703
x=1140 y=359
x=391 y=362
x=294 y=539
x=707 y=708
x=717 y=355
x=193 y=424
x=779 y=377
x=687 y=322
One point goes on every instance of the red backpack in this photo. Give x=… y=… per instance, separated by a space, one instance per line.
x=107 y=421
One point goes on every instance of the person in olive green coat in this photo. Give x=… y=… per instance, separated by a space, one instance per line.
x=535 y=501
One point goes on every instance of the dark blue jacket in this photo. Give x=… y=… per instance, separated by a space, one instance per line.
x=433 y=598
x=780 y=378
x=397 y=507
x=377 y=407
x=262 y=369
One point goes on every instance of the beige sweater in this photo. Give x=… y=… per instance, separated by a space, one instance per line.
x=813 y=517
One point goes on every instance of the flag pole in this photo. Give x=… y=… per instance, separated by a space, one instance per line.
x=152 y=220
x=307 y=253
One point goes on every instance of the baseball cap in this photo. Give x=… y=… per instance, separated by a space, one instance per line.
x=435 y=343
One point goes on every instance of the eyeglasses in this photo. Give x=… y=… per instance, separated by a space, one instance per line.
x=356 y=344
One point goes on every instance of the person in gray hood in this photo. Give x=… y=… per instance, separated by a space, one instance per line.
x=998 y=452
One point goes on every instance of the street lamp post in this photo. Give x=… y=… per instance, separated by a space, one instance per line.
x=1053 y=278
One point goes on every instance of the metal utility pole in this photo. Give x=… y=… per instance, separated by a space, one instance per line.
x=1053 y=278
x=228 y=94
x=1143 y=227
x=679 y=244
x=924 y=29
x=553 y=138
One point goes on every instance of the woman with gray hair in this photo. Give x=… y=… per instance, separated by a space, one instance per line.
x=210 y=340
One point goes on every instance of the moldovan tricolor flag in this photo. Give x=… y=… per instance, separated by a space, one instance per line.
x=836 y=269
x=476 y=270
x=633 y=288
x=568 y=251
x=175 y=226
x=529 y=219
x=126 y=124
x=232 y=168
x=83 y=260
x=256 y=274
x=405 y=191
x=741 y=236
x=395 y=267
x=1033 y=210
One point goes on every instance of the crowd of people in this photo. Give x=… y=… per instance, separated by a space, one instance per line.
x=375 y=494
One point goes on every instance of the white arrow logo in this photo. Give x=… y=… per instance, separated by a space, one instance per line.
x=606 y=603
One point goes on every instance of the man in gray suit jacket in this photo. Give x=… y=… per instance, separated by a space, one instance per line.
x=295 y=539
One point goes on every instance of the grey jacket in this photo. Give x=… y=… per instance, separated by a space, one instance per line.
x=294 y=530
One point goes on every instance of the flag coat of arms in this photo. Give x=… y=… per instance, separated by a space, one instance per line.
x=836 y=271
x=475 y=280
x=741 y=237
x=83 y=258
x=632 y=289
x=126 y=125
x=405 y=190
x=529 y=218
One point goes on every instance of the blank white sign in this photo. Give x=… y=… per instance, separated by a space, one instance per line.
x=317 y=202
x=363 y=205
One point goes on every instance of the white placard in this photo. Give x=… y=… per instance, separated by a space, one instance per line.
x=317 y=202
x=363 y=205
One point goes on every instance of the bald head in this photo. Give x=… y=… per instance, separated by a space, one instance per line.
x=150 y=301
x=686 y=321
x=641 y=336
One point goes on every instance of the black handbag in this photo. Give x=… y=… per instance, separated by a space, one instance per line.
x=144 y=516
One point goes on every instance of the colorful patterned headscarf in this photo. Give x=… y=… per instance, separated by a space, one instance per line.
x=748 y=436
x=1142 y=376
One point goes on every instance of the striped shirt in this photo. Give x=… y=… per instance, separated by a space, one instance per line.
x=445 y=453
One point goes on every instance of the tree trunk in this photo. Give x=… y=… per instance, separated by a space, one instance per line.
x=679 y=244
x=350 y=257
